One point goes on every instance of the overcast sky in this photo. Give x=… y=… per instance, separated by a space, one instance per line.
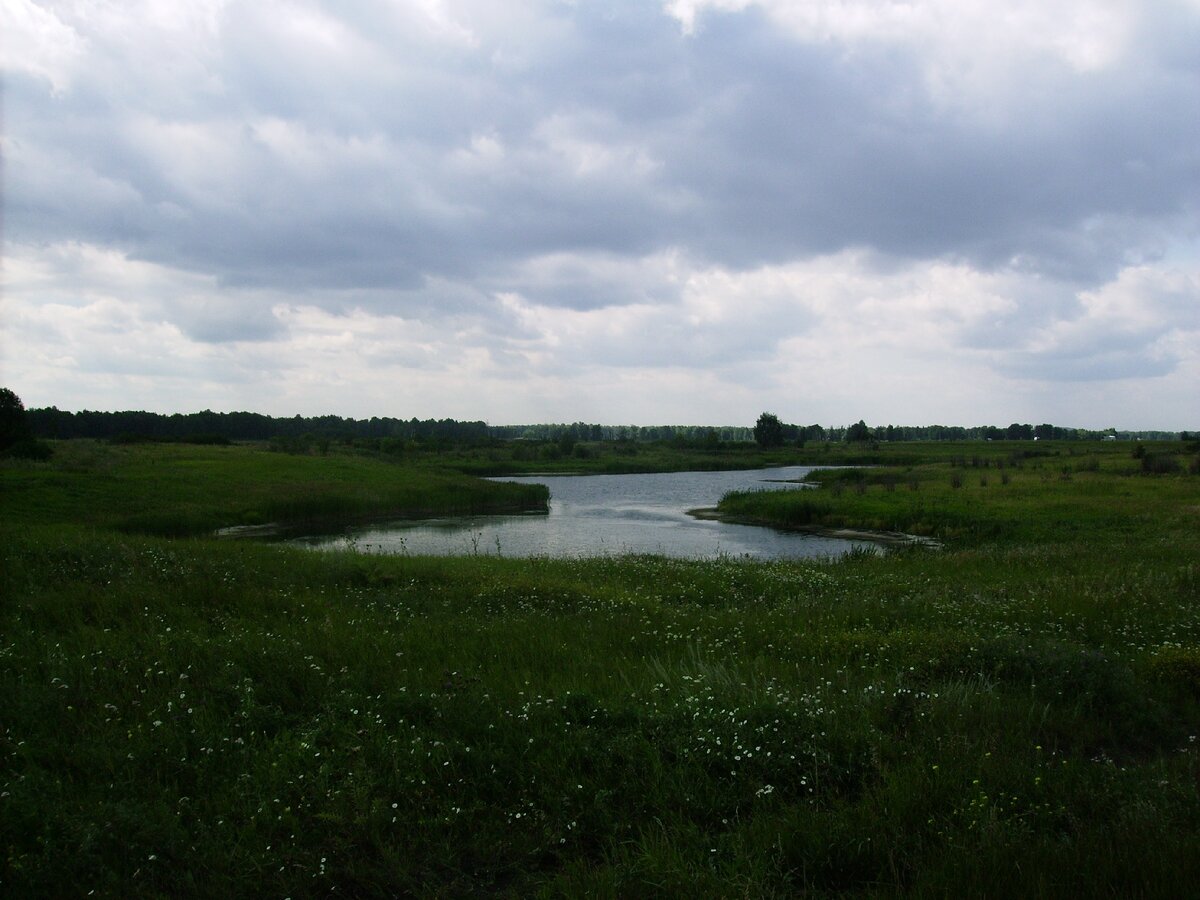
x=936 y=211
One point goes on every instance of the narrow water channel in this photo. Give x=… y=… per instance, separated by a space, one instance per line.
x=599 y=515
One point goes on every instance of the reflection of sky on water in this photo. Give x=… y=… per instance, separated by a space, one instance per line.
x=599 y=515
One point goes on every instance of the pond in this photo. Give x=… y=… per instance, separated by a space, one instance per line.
x=599 y=515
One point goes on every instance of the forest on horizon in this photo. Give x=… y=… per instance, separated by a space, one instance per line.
x=132 y=425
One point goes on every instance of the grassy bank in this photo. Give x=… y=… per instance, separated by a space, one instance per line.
x=180 y=489
x=1070 y=492
x=1017 y=714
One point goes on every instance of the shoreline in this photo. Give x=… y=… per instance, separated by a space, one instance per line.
x=886 y=538
x=338 y=524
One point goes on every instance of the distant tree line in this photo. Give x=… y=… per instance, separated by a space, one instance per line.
x=209 y=427
x=1013 y=432
x=582 y=431
x=245 y=426
x=51 y=422
x=770 y=431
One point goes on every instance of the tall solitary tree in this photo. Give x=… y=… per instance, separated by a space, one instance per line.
x=858 y=432
x=768 y=431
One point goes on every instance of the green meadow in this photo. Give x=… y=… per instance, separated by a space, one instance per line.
x=1016 y=713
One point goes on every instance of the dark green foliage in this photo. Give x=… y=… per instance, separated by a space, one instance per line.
x=16 y=437
x=246 y=426
x=54 y=423
x=768 y=431
x=1018 y=432
x=14 y=424
x=211 y=440
x=566 y=443
x=858 y=432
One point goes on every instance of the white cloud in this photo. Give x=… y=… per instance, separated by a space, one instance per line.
x=1145 y=322
x=1087 y=34
x=977 y=59
x=898 y=210
x=34 y=40
x=849 y=334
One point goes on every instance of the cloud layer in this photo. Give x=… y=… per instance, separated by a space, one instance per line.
x=918 y=212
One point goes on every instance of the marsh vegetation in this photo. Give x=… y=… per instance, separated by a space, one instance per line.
x=189 y=716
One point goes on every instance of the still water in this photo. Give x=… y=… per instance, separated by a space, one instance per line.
x=604 y=515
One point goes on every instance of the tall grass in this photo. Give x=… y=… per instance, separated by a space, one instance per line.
x=1016 y=713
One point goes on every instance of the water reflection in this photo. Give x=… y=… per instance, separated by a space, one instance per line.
x=598 y=515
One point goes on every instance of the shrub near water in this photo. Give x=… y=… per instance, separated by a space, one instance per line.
x=224 y=719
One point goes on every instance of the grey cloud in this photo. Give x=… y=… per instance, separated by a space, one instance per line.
x=1121 y=332
x=759 y=149
x=1112 y=365
x=220 y=320
x=811 y=156
x=1035 y=306
x=591 y=281
x=669 y=337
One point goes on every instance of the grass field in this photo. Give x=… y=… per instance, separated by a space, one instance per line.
x=1017 y=714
